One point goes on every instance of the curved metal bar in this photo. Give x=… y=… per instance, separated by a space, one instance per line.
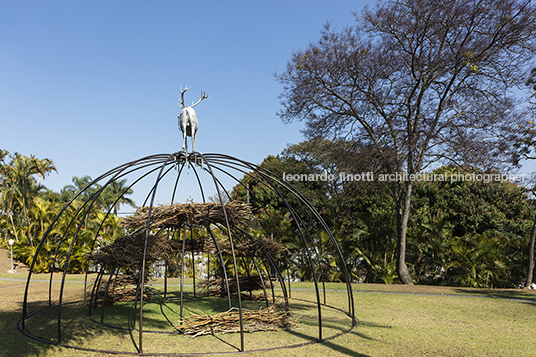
x=280 y=278
x=317 y=257
x=199 y=184
x=244 y=233
x=222 y=264
x=182 y=268
x=266 y=177
x=95 y=289
x=193 y=256
x=142 y=276
x=203 y=199
x=233 y=254
x=177 y=180
x=106 y=293
x=151 y=193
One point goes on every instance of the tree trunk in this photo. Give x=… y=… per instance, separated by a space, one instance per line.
x=403 y=205
x=13 y=225
x=530 y=271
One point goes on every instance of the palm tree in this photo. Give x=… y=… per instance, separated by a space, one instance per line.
x=79 y=183
x=3 y=155
x=21 y=173
x=19 y=185
x=42 y=213
x=6 y=204
x=115 y=194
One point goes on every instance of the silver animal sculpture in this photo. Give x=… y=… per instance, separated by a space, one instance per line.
x=188 y=120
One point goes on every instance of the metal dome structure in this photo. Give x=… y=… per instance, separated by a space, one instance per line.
x=228 y=233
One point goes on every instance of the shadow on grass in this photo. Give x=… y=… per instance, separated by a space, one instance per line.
x=76 y=329
x=124 y=316
x=332 y=323
x=13 y=342
x=516 y=295
x=79 y=330
x=329 y=343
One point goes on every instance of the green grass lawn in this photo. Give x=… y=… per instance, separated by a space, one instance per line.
x=394 y=320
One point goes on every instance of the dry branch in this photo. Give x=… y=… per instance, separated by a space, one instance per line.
x=126 y=254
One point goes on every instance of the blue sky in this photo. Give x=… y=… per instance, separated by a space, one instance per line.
x=94 y=84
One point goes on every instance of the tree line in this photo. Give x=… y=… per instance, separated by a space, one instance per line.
x=27 y=208
x=460 y=233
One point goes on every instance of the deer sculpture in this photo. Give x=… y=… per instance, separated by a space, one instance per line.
x=188 y=120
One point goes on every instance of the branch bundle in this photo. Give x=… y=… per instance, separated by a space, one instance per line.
x=127 y=252
x=250 y=283
x=122 y=288
x=258 y=247
x=268 y=319
x=177 y=214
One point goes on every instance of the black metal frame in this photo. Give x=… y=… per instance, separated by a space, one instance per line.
x=162 y=165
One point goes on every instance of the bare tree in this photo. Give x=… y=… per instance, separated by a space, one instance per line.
x=419 y=81
x=527 y=145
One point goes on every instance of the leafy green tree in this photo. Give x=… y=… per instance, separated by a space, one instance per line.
x=418 y=82
x=471 y=228
x=472 y=201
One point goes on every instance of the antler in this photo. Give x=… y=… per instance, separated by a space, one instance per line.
x=181 y=100
x=203 y=96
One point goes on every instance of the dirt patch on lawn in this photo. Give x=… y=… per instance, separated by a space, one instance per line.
x=5 y=263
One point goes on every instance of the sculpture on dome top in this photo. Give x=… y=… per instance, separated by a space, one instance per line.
x=188 y=120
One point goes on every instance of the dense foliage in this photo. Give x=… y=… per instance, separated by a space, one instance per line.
x=27 y=208
x=460 y=233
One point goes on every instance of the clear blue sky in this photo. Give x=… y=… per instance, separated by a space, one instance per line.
x=94 y=84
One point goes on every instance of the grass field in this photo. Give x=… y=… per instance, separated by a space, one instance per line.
x=394 y=320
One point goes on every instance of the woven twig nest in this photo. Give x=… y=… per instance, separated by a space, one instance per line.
x=177 y=214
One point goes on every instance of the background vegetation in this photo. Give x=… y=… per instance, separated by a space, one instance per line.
x=461 y=233
x=27 y=208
